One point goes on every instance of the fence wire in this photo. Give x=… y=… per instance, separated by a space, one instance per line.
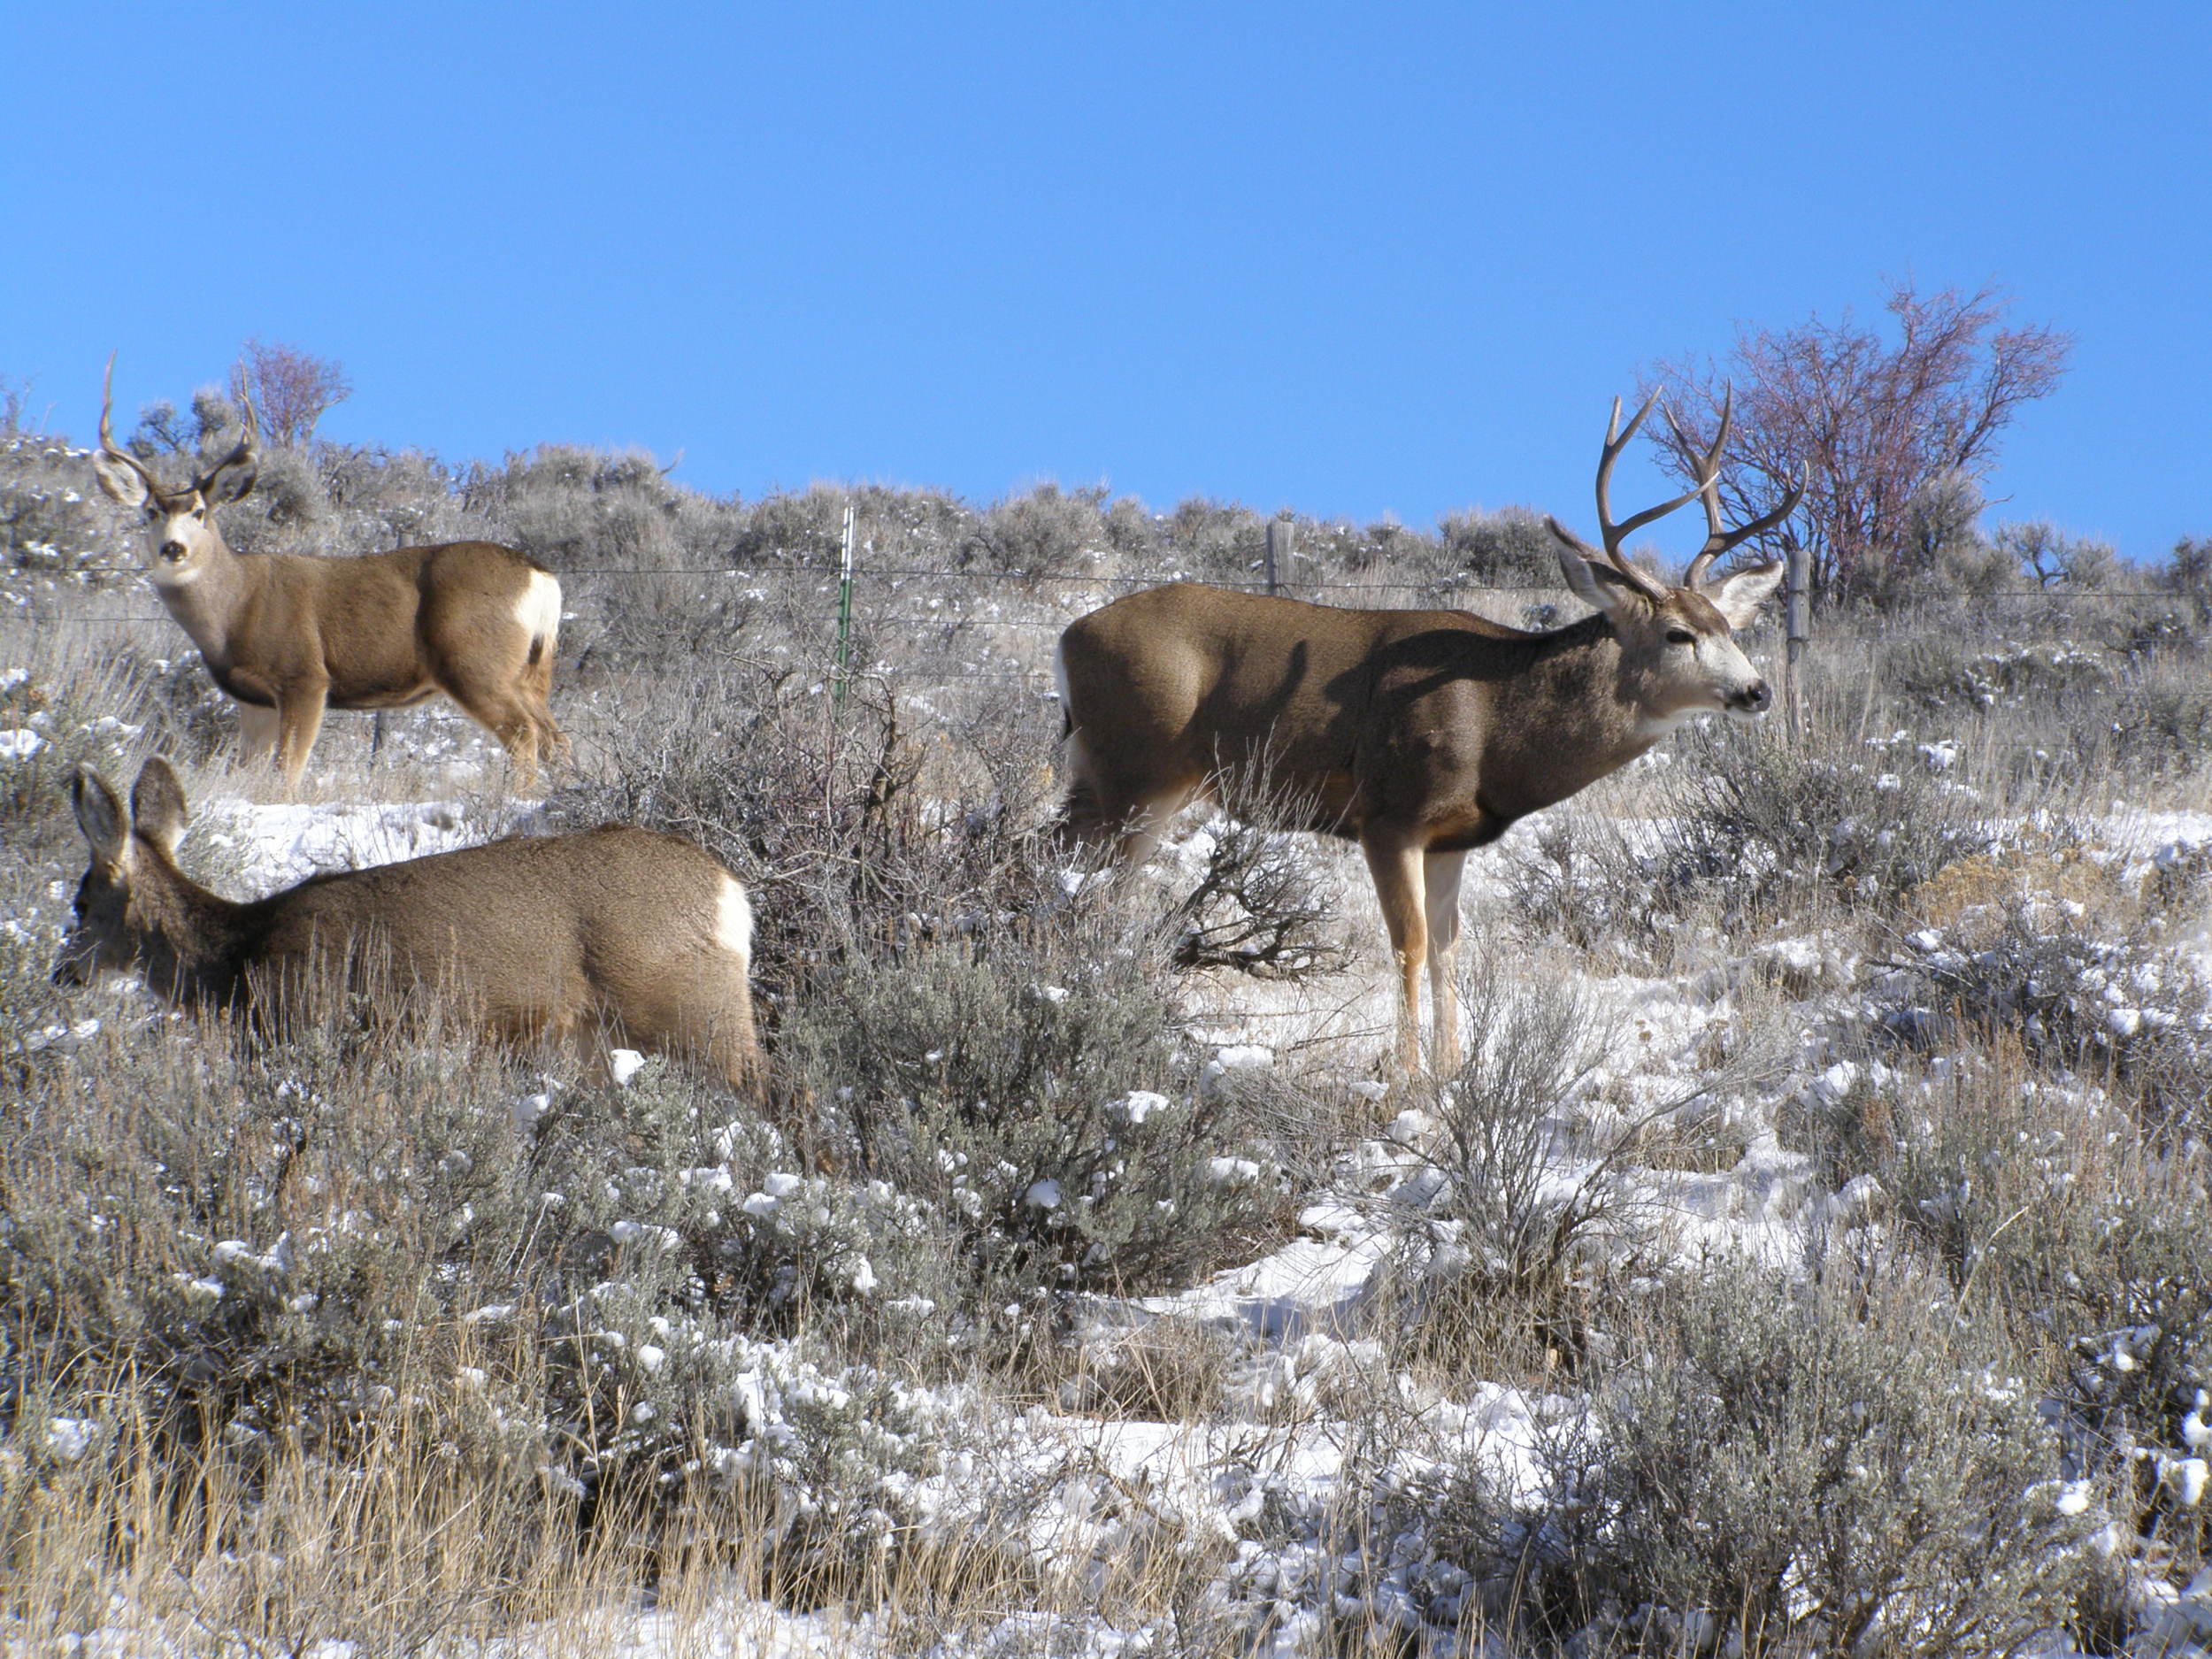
x=827 y=576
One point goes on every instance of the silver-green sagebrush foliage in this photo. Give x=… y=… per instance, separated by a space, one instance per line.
x=244 y=1285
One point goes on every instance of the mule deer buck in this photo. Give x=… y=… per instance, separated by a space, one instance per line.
x=1419 y=734
x=619 y=934
x=287 y=635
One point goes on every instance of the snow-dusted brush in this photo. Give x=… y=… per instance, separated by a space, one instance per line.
x=1420 y=735
x=617 y=935
x=287 y=635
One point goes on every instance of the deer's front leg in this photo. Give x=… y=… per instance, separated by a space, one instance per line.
x=1441 y=881
x=300 y=721
x=1395 y=862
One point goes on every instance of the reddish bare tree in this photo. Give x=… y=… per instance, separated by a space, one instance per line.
x=289 y=389
x=1873 y=419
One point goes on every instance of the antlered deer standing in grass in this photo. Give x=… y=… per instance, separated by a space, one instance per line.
x=287 y=635
x=1420 y=735
x=618 y=935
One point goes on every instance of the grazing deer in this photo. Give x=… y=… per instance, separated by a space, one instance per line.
x=1420 y=735
x=619 y=934
x=287 y=635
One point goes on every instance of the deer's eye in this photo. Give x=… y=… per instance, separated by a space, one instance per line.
x=199 y=512
x=1680 y=636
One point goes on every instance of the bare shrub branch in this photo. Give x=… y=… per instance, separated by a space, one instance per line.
x=290 y=389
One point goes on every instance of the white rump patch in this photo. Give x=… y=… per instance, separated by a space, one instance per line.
x=539 y=610
x=733 y=922
x=1060 y=673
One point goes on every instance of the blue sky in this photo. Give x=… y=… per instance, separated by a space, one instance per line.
x=1354 y=259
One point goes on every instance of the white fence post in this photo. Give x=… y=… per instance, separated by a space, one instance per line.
x=844 y=613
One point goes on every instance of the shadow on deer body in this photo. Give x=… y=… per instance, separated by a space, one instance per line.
x=608 y=936
x=288 y=636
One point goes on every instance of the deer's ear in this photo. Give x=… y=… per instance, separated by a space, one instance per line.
x=120 y=481
x=1739 y=594
x=100 y=815
x=158 y=805
x=1596 y=585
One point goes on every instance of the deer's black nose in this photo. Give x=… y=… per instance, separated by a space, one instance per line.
x=172 y=549
x=1755 y=698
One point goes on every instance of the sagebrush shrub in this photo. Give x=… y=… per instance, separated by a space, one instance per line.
x=2126 y=1007
x=1750 y=831
x=1046 y=532
x=819 y=811
x=300 y=1240
x=1834 y=1468
x=52 y=523
x=1512 y=548
x=1506 y=1259
x=1755 y=826
x=1035 y=1095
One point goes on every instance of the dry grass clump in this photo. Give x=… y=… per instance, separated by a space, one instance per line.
x=2054 y=1210
x=2048 y=1202
x=2056 y=950
x=1167 y=1370
x=331 y=1280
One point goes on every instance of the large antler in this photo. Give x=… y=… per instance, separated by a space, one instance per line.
x=1718 y=537
x=107 y=433
x=241 y=452
x=1616 y=535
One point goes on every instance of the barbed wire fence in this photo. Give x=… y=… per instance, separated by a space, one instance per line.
x=1298 y=589
x=852 y=594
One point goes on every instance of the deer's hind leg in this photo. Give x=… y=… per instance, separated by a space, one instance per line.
x=1131 y=812
x=499 y=672
x=535 y=688
x=718 y=1036
x=503 y=706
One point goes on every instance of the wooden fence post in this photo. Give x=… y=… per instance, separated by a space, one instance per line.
x=1797 y=625
x=1280 y=538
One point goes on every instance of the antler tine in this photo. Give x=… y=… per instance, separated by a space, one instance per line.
x=1708 y=470
x=108 y=446
x=1721 y=542
x=1719 y=539
x=1616 y=441
x=242 y=449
